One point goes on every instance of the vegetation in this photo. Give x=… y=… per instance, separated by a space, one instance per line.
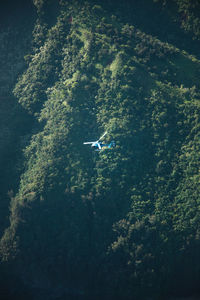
x=117 y=224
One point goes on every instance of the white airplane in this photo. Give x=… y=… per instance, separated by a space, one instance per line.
x=98 y=145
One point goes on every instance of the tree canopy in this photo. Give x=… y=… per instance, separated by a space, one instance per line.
x=115 y=224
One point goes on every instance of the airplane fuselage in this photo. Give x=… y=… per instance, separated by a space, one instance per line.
x=100 y=146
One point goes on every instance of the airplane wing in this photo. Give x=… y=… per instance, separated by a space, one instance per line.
x=99 y=145
x=103 y=135
x=86 y=143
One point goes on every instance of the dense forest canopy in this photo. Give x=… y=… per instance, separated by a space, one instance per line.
x=115 y=224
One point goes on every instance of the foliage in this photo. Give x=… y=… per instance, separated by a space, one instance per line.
x=118 y=224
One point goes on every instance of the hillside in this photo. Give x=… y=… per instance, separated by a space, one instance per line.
x=120 y=223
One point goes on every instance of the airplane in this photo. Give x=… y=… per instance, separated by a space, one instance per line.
x=98 y=145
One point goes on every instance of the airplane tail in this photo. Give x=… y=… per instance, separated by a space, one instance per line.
x=112 y=144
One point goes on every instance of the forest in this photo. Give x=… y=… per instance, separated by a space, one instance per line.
x=116 y=224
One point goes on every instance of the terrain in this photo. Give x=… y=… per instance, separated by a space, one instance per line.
x=116 y=224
